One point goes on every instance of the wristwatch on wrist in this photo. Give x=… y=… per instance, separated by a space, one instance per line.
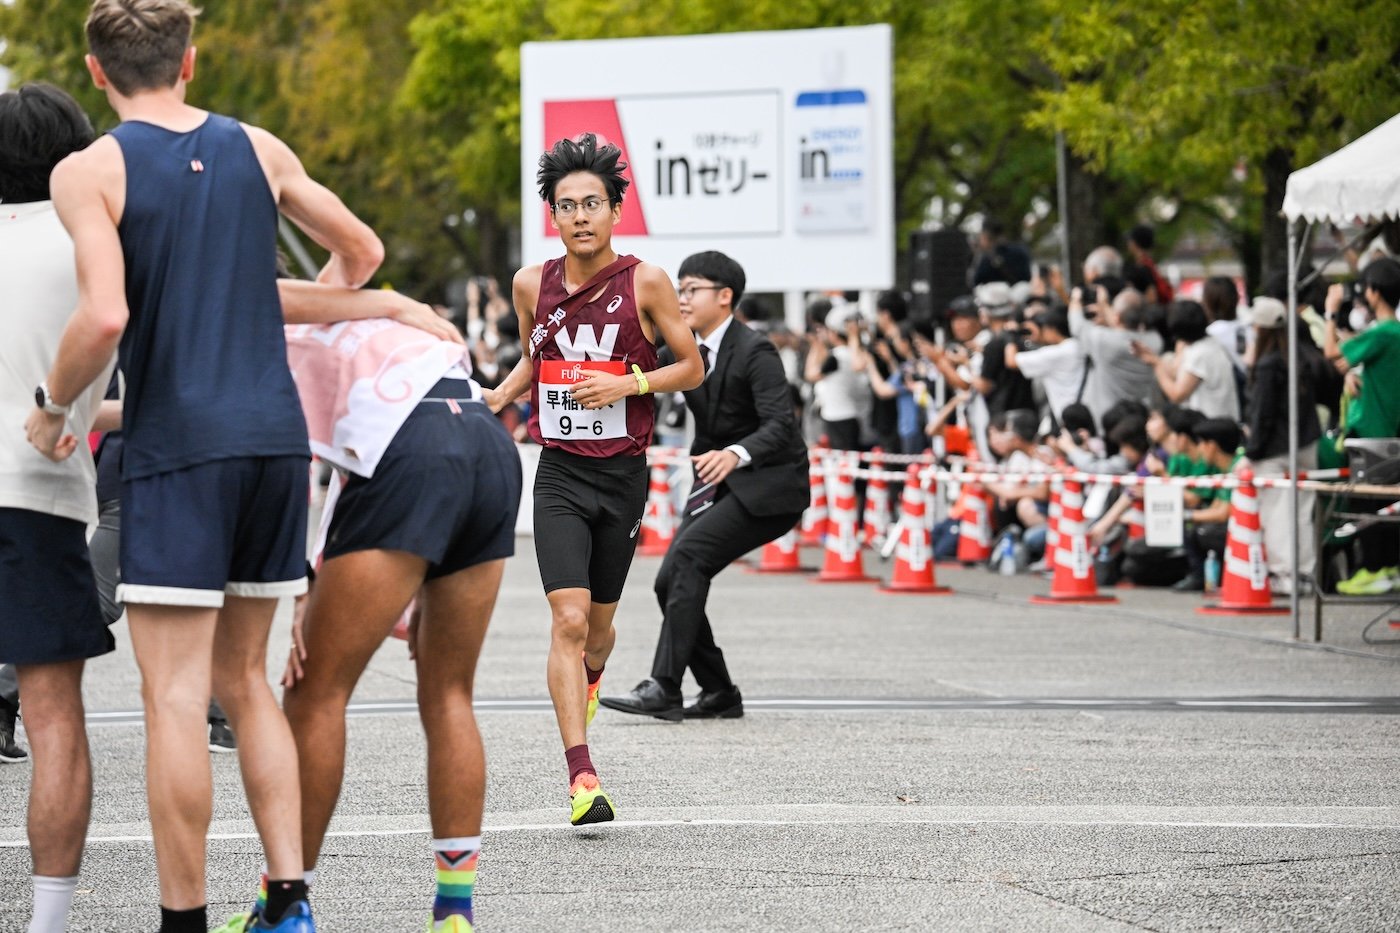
x=46 y=402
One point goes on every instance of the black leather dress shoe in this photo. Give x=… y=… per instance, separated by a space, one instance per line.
x=717 y=704
x=648 y=698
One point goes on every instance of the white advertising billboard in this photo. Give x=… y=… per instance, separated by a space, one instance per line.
x=773 y=147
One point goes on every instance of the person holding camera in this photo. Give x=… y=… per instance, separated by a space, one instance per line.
x=1371 y=362
x=837 y=366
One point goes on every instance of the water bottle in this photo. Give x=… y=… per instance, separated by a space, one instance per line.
x=1212 y=572
x=1007 y=556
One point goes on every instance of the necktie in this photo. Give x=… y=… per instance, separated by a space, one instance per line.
x=705 y=357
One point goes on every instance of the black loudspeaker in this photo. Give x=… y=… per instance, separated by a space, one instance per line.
x=938 y=264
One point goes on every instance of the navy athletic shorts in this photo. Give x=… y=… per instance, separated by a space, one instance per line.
x=235 y=526
x=588 y=511
x=447 y=488
x=50 y=611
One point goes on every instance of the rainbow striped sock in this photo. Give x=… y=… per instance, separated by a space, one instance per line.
x=456 y=876
x=260 y=905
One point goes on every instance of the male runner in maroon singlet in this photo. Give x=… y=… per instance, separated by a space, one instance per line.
x=588 y=325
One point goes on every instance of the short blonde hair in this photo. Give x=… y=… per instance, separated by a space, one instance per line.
x=140 y=43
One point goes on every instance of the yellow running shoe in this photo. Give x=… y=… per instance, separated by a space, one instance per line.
x=589 y=803
x=238 y=923
x=453 y=924
x=592 y=701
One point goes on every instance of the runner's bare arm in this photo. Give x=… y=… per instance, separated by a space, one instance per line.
x=96 y=327
x=525 y=292
x=355 y=250
x=657 y=303
x=315 y=303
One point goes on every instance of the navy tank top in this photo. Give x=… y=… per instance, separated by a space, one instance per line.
x=604 y=334
x=203 y=354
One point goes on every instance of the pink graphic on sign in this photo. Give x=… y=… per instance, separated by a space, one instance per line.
x=567 y=119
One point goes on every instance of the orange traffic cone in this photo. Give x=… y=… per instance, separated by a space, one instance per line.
x=1052 y=526
x=1135 y=519
x=1244 y=588
x=975 y=525
x=1074 y=580
x=913 y=565
x=659 y=519
x=843 y=555
x=780 y=556
x=814 y=519
x=877 y=504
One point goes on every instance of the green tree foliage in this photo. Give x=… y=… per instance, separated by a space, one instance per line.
x=1182 y=93
x=410 y=109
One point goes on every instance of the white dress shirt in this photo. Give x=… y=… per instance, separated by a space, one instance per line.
x=712 y=342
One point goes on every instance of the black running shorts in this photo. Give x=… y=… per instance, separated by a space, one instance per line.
x=447 y=489
x=588 y=512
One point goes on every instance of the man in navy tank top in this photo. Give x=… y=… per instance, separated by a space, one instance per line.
x=588 y=326
x=174 y=222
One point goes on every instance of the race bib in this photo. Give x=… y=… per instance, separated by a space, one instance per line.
x=562 y=418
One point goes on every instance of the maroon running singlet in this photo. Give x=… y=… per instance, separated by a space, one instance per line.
x=603 y=335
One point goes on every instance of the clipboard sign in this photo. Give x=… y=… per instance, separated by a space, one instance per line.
x=1165 y=510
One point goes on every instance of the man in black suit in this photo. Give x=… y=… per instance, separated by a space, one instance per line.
x=750 y=487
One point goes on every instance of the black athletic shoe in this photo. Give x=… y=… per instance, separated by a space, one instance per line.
x=10 y=750
x=717 y=704
x=648 y=698
x=221 y=740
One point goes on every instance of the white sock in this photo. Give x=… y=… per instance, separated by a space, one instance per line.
x=52 y=898
x=309 y=876
x=458 y=844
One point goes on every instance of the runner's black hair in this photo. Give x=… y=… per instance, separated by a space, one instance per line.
x=582 y=155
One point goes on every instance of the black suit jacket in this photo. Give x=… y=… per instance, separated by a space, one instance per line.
x=746 y=401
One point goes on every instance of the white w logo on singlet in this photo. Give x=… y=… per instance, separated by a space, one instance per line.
x=585 y=344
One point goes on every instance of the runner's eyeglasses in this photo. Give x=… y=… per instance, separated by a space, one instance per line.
x=592 y=207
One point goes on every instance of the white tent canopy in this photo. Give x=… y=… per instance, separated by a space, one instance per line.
x=1360 y=181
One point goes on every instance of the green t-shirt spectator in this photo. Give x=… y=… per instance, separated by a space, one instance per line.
x=1205 y=469
x=1185 y=465
x=1377 y=412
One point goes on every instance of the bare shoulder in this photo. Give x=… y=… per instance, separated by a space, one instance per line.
x=652 y=276
x=90 y=166
x=527 y=278
x=271 y=151
x=92 y=176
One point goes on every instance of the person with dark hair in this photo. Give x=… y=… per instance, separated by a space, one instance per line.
x=1200 y=373
x=174 y=218
x=589 y=322
x=53 y=622
x=999 y=260
x=891 y=305
x=1371 y=360
x=1221 y=298
x=1217 y=443
x=1115 y=372
x=1058 y=363
x=1142 y=239
x=1011 y=436
x=1266 y=441
x=750 y=488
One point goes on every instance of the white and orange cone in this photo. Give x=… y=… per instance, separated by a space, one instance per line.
x=1074 y=580
x=913 y=565
x=975 y=525
x=780 y=556
x=1244 y=583
x=843 y=553
x=814 y=519
x=659 y=519
x=876 y=523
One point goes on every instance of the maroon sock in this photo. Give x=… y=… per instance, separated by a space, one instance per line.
x=579 y=762
x=593 y=676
